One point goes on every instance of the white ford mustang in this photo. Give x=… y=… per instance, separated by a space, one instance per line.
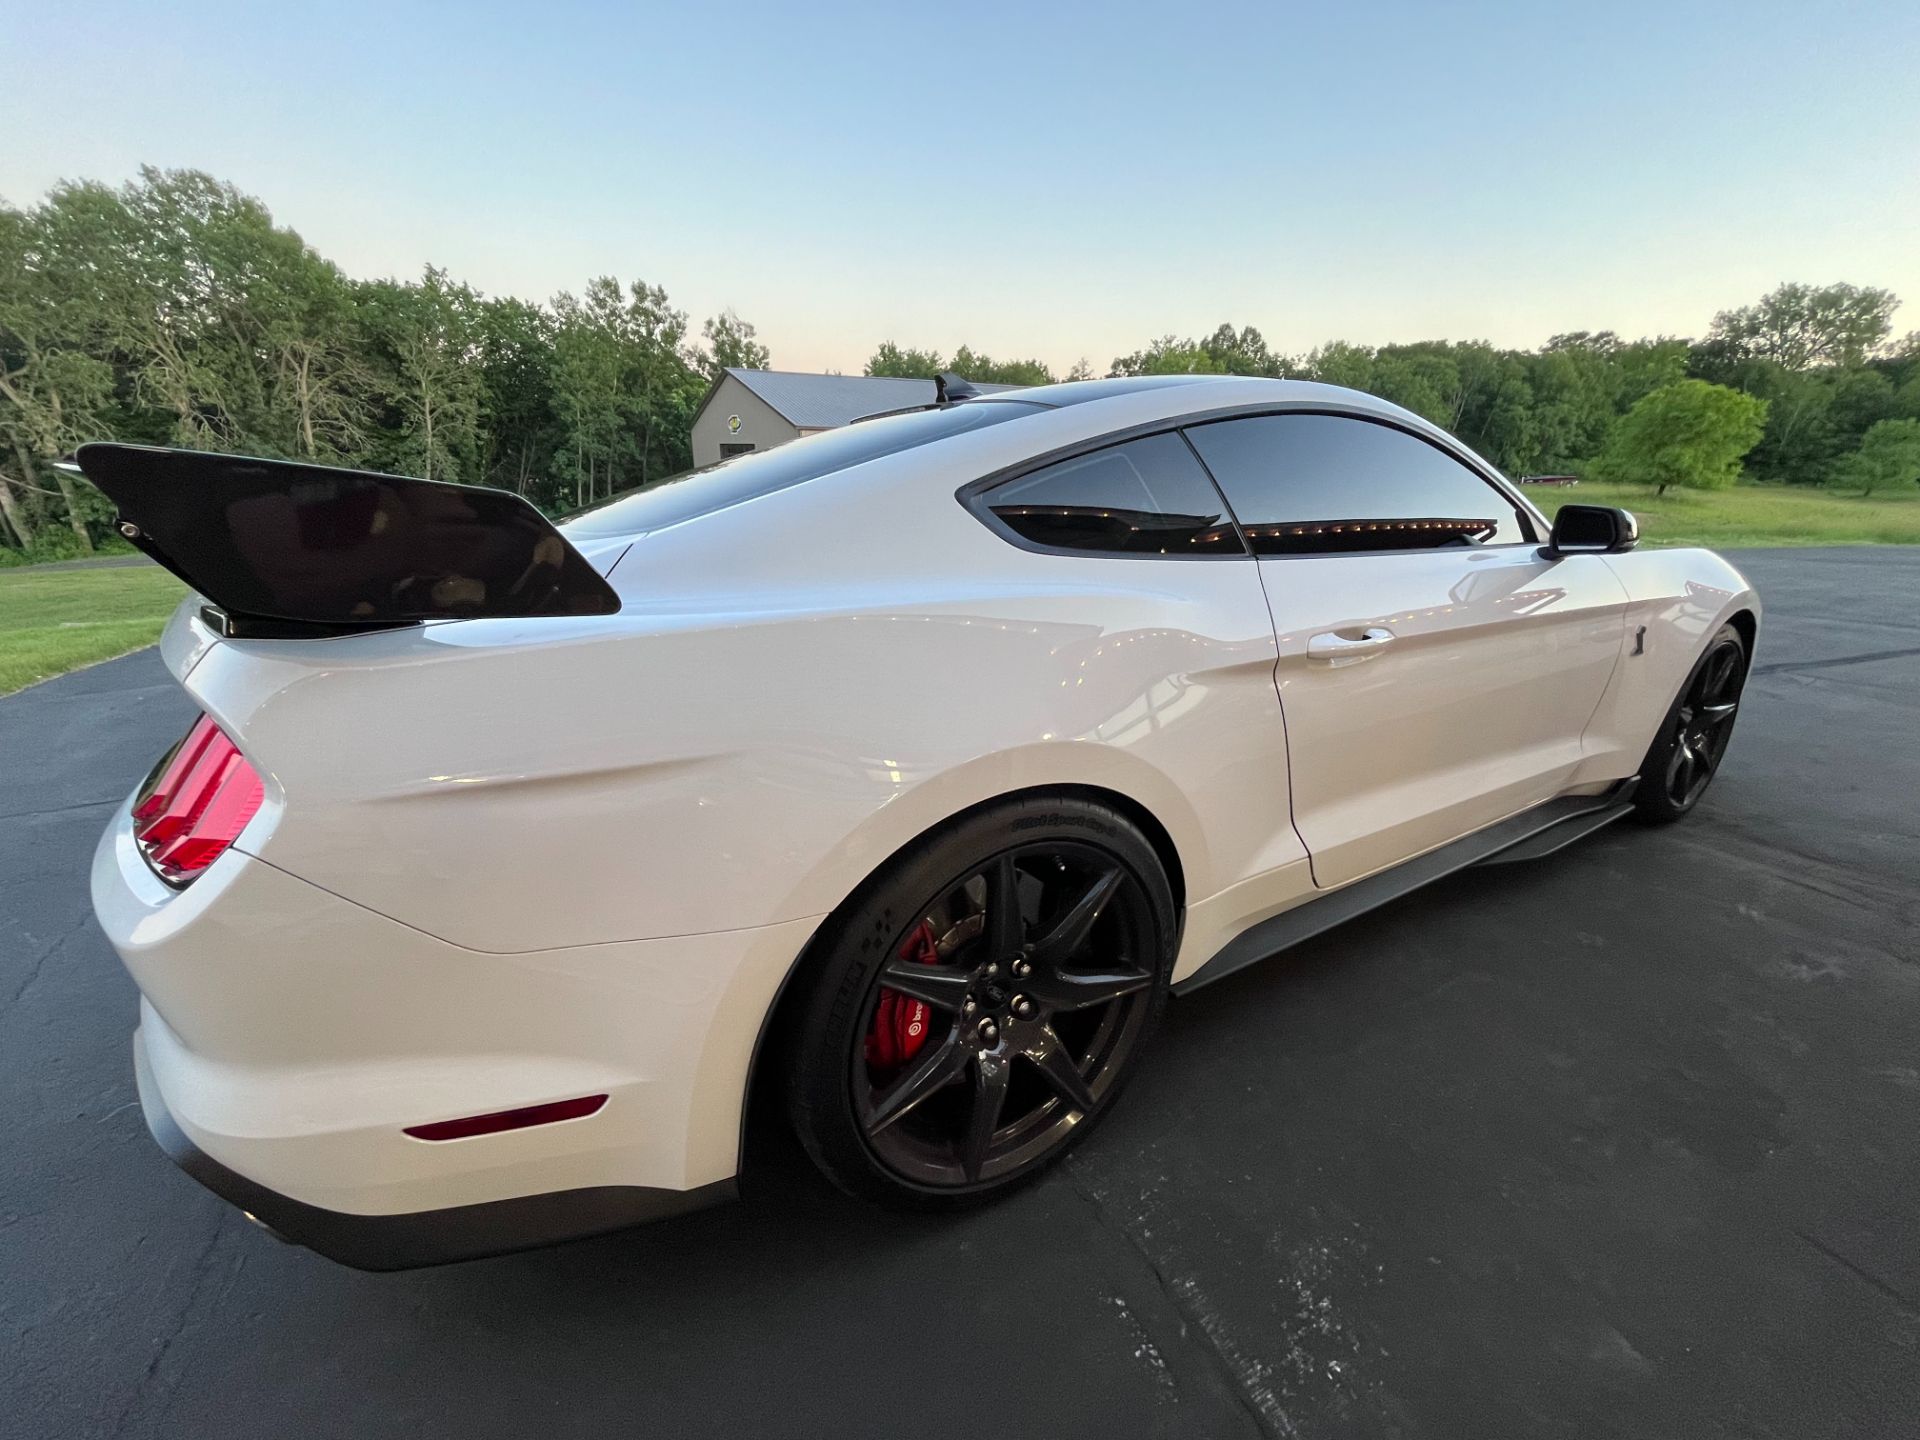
x=902 y=771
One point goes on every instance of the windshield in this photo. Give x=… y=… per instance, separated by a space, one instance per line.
x=747 y=477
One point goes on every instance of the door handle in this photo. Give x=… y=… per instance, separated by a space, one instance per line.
x=1335 y=646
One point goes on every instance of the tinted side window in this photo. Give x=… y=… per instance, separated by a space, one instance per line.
x=1310 y=484
x=1148 y=496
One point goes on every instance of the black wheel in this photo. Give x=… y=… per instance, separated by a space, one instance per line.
x=979 y=1006
x=1693 y=738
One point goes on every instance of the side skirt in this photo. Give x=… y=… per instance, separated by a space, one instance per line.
x=1530 y=835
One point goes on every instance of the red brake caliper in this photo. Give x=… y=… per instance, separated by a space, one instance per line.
x=900 y=1021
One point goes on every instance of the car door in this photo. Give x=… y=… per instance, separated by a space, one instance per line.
x=1436 y=670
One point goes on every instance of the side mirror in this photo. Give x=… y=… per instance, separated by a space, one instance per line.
x=1592 y=530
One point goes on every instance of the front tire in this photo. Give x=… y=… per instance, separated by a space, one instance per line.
x=1692 y=740
x=980 y=1004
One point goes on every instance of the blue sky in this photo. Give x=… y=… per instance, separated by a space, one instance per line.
x=1051 y=180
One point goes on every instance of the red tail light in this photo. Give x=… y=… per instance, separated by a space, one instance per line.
x=195 y=804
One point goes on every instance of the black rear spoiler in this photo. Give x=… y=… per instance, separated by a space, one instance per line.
x=284 y=549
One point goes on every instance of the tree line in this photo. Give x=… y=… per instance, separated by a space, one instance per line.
x=1803 y=387
x=172 y=310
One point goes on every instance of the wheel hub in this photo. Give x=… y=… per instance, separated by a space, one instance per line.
x=990 y=994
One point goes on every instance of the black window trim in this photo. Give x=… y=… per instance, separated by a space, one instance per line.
x=972 y=495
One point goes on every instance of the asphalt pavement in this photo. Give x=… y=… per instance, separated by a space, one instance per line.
x=1623 y=1142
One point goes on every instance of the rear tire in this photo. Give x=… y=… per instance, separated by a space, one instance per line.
x=1692 y=740
x=1018 y=1023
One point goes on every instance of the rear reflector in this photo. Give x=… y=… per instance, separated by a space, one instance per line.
x=195 y=804
x=508 y=1119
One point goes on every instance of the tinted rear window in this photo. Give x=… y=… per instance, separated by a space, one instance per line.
x=748 y=477
x=1145 y=497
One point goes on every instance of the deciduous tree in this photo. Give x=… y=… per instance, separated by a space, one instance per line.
x=905 y=364
x=1168 y=355
x=1889 y=455
x=1691 y=434
x=429 y=335
x=972 y=365
x=730 y=345
x=1802 y=325
x=521 y=431
x=1243 y=352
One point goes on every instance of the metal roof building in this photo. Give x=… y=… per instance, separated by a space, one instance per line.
x=759 y=409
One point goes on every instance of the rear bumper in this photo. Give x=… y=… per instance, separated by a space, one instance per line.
x=426 y=1237
x=289 y=1040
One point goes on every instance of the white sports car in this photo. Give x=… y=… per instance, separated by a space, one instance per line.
x=902 y=771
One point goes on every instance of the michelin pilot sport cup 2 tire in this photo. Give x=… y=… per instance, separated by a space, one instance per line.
x=1673 y=780
x=1035 y=1011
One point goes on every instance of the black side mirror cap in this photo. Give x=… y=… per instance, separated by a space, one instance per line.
x=1592 y=530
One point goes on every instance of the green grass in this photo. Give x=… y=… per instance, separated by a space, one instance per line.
x=1753 y=514
x=55 y=621
x=53 y=545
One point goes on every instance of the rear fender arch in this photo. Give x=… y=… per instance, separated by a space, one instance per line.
x=765 y=1059
x=1098 y=770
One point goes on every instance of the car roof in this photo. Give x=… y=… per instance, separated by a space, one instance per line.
x=1078 y=392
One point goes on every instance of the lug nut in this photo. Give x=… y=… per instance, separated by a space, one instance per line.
x=993 y=968
x=989 y=1031
x=968 y=1006
x=1023 y=1007
x=1022 y=968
